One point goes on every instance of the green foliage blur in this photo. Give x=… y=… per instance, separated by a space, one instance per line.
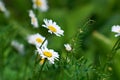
x=91 y=48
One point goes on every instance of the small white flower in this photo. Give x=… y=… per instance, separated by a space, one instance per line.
x=3 y=9
x=34 y=20
x=116 y=29
x=18 y=46
x=53 y=27
x=40 y=4
x=36 y=39
x=49 y=54
x=68 y=47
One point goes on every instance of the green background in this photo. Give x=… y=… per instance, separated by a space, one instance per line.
x=98 y=16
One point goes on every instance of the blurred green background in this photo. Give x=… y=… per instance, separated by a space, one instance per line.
x=71 y=15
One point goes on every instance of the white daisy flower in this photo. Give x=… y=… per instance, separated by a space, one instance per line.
x=18 y=46
x=40 y=4
x=68 y=47
x=36 y=39
x=53 y=27
x=49 y=54
x=116 y=29
x=34 y=20
x=3 y=9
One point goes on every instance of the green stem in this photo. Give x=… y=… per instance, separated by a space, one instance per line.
x=37 y=12
x=41 y=69
x=87 y=23
x=36 y=61
x=88 y=76
x=2 y=66
x=114 y=47
x=43 y=42
x=66 y=57
x=111 y=56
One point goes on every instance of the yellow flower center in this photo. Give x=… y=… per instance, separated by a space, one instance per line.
x=39 y=40
x=48 y=54
x=33 y=19
x=52 y=28
x=118 y=30
x=38 y=3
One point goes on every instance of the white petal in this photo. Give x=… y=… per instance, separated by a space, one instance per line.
x=117 y=35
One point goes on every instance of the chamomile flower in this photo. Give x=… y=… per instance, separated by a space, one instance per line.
x=53 y=27
x=36 y=39
x=18 y=46
x=40 y=4
x=34 y=20
x=68 y=47
x=3 y=9
x=49 y=54
x=116 y=29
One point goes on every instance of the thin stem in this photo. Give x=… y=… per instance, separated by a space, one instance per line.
x=87 y=23
x=113 y=51
x=43 y=43
x=36 y=59
x=2 y=66
x=41 y=69
x=115 y=44
x=36 y=12
x=88 y=76
x=66 y=57
x=118 y=46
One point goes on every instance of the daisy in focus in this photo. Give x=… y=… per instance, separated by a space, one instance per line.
x=48 y=54
x=68 y=47
x=116 y=29
x=3 y=9
x=40 y=4
x=36 y=39
x=53 y=27
x=34 y=20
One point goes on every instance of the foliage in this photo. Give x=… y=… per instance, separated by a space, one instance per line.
x=87 y=26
